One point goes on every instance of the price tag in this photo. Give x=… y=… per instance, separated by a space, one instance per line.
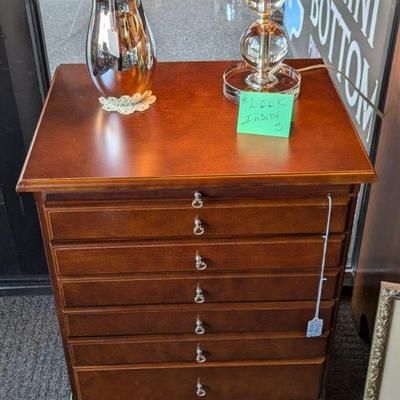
x=268 y=114
x=113 y=43
x=315 y=327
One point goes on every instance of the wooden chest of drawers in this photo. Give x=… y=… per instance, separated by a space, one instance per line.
x=186 y=259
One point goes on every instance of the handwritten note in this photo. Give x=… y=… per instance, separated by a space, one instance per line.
x=268 y=114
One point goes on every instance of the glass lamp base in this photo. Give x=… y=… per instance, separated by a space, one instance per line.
x=287 y=81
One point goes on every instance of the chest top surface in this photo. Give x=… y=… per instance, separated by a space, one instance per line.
x=188 y=135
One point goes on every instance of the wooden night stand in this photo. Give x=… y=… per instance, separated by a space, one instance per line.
x=185 y=258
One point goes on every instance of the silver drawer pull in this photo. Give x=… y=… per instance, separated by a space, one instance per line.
x=197 y=201
x=198 y=229
x=199 y=327
x=200 y=357
x=199 y=298
x=201 y=392
x=200 y=264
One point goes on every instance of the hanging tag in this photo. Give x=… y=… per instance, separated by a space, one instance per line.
x=315 y=327
x=113 y=43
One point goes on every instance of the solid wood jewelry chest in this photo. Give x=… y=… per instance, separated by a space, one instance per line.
x=185 y=258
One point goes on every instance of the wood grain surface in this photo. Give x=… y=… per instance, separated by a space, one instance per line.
x=189 y=135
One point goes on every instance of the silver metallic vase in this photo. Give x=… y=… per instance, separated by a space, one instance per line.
x=120 y=51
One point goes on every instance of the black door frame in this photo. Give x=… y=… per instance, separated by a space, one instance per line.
x=27 y=84
x=38 y=45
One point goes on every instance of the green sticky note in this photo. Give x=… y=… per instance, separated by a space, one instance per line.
x=268 y=114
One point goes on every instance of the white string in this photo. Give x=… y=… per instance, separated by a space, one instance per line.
x=324 y=254
x=378 y=112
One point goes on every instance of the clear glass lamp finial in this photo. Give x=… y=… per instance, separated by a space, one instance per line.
x=264 y=46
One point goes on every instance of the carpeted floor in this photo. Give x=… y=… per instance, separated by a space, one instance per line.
x=32 y=364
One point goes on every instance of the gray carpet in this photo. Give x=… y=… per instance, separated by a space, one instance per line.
x=31 y=359
x=32 y=363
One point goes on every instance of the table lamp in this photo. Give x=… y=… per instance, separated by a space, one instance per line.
x=264 y=46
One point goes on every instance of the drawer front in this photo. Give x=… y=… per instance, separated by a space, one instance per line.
x=209 y=194
x=236 y=288
x=258 y=381
x=177 y=256
x=142 y=350
x=164 y=221
x=209 y=318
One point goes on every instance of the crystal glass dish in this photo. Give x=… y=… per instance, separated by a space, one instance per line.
x=235 y=81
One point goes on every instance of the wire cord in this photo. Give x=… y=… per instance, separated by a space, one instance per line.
x=378 y=112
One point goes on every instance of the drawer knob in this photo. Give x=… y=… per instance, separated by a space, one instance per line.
x=199 y=298
x=199 y=330
x=198 y=229
x=200 y=263
x=201 y=392
x=200 y=357
x=197 y=201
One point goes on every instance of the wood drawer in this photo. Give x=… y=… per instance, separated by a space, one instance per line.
x=175 y=255
x=167 y=220
x=209 y=193
x=178 y=319
x=195 y=288
x=186 y=348
x=279 y=380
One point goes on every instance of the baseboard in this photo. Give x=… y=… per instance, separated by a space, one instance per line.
x=25 y=286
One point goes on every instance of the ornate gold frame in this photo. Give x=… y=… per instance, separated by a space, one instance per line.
x=389 y=293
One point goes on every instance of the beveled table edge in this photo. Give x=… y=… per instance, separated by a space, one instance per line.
x=43 y=185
